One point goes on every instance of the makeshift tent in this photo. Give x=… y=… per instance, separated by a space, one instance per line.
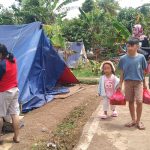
x=74 y=54
x=39 y=66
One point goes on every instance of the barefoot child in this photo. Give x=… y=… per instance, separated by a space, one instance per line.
x=132 y=67
x=107 y=85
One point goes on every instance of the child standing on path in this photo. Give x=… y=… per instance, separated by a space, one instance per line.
x=133 y=66
x=107 y=85
x=8 y=91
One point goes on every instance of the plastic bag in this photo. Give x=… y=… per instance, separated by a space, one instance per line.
x=118 y=98
x=146 y=96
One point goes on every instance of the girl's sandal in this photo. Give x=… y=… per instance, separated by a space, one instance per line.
x=140 y=126
x=130 y=124
x=15 y=140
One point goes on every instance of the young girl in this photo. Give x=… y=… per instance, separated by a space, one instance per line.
x=8 y=90
x=107 y=86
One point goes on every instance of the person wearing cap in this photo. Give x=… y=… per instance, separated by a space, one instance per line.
x=8 y=91
x=132 y=72
x=107 y=87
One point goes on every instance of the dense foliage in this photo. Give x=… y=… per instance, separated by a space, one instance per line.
x=102 y=24
x=27 y=11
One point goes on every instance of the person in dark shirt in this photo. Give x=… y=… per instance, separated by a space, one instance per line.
x=145 y=42
x=146 y=47
x=8 y=90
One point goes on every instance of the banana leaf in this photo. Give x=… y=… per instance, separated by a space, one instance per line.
x=120 y=28
x=84 y=15
x=65 y=3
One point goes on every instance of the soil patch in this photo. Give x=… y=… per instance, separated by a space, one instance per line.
x=68 y=132
x=40 y=123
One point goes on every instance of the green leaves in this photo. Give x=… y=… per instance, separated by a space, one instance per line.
x=84 y=15
x=55 y=34
x=54 y=5
x=109 y=6
x=102 y=23
x=95 y=67
x=88 y=6
x=121 y=29
x=65 y=2
x=45 y=11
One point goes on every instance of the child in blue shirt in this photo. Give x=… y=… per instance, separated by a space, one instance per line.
x=132 y=67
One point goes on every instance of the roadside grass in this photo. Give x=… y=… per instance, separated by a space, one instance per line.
x=66 y=135
x=69 y=122
x=63 y=135
x=84 y=72
x=85 y=75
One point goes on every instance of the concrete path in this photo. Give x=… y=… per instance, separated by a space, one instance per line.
x=7 y=145
x=112 y=135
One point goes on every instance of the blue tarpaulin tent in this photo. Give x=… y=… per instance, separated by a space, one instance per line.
x=39 y=66
x=78 y=56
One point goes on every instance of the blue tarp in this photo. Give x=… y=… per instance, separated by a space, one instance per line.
x=39 y=66
x=72 y=60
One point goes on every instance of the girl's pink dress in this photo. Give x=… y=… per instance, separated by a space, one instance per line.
x=109 y=86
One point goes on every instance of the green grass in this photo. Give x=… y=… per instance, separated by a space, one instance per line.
x=84 y=72
x=69 y=123
x=87 y=73
x=63 y=135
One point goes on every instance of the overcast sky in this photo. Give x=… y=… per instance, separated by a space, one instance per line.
x=75 y=12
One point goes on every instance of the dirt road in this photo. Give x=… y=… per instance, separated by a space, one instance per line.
x=47 y=118
x=97 y=134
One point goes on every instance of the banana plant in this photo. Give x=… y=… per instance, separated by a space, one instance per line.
x=122 y=32
x=54 y=33
x=95 y=67
x=109 y=6
x=84 y=15
x=45 y=11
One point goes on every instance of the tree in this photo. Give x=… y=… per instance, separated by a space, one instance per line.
x=109 y=6
x=99 y=22
x=131 y=16
x=98 y=28
x=6 y=16
x=88 y=6
x=145 y=10
x=28 y=11
x=76 y=30
x=128 y=17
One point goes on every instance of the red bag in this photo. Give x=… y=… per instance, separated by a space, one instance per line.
x=118 y=98
x=146 y=96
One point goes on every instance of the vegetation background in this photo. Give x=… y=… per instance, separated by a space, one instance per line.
x=102 y=25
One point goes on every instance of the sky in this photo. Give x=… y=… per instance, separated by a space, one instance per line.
x=74 y=12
